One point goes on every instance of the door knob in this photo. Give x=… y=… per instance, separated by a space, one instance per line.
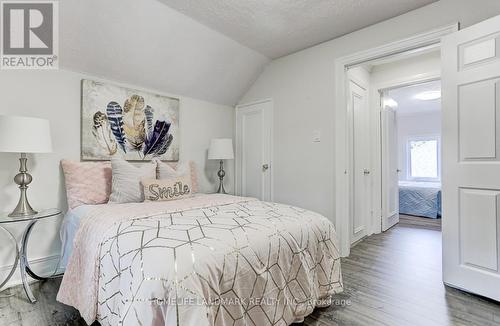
x=366 y=171
x=398 y=170
x=265 y=167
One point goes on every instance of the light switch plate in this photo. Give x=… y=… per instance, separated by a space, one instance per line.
x=316 y=136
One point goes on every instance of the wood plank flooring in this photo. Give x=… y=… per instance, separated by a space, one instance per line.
x=420 y=222
x=393 y=278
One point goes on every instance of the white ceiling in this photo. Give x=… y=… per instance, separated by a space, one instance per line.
x=148 y=44
x=408 y=105
x=279 y=27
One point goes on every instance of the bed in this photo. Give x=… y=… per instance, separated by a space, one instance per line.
x=69 y=227
x=205 y=260
x=420 y=198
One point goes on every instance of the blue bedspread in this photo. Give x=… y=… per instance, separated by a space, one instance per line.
x=420 y=199
x=68 y=231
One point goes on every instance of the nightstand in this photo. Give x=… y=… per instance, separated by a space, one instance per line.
x=21 y=250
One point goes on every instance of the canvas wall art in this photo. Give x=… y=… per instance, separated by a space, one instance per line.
x=134 y=124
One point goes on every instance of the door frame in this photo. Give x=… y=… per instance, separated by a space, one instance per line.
x=238 y=153
x=343 y=150
x=376 y=129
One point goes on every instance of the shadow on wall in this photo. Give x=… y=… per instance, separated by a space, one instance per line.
x=61 y=195
x=9 y=167
x=211 y=169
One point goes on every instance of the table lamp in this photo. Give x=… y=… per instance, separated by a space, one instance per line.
x=221 y=149
x=24 y=135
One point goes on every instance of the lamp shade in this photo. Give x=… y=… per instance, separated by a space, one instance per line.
x=24 y=135
x=221 y=149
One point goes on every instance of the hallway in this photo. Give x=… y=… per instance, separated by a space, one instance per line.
x=394 y=278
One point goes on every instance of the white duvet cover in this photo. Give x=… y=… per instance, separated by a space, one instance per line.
x=207 y=260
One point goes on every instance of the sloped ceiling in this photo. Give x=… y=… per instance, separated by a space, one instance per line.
x=279 y=27
x=148 y=44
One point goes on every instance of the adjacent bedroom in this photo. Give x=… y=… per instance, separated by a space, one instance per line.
x=249 y=163
x=418 y=114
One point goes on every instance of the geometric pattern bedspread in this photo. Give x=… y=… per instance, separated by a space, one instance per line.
x=246 y=263
x=420 y=199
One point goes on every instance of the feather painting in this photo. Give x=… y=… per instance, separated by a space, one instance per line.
x=133 y=124
x=159 y=140
x=134 y=121
x=149 y=113
x=102 y=133
x=164 y=147
x=114 y=111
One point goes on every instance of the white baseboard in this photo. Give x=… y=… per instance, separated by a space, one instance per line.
x=41 y=266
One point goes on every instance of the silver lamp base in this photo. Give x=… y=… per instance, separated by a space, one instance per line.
x=221 y=175
x=23 y=179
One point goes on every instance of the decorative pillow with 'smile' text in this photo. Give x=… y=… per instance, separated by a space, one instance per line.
x=167 y=189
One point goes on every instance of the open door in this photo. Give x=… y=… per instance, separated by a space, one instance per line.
x=361 y=204
x=471 y=158
x=390 y=188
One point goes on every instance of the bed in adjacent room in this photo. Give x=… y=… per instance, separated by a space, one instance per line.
x=204 y=260
x=420 y=198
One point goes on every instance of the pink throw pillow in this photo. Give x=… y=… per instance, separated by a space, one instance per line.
x=87 y=183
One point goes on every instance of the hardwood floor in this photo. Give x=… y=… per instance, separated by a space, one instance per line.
x=393 y=278
x=15 y=310
x=420 y=222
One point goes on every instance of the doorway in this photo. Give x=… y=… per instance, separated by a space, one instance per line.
x=471 y=187
x=254 y=134
x=411 y=154
x=389 y=111
x=405 y=48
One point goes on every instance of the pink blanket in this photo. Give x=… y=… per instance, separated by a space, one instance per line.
x=79 y=287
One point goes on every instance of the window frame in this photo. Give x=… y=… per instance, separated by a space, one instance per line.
x=429 y=137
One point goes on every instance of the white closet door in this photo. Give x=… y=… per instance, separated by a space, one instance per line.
x=471 y=158
x=390 y=175
x=253 y=150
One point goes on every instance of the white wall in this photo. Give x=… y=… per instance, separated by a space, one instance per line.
x=56 y=95
x=302 y=86
x=423 y=124
x=425 y=64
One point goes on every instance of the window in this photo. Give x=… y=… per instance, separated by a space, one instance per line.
x=423 y=158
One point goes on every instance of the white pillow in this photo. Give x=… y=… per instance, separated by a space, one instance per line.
x=126 y=180
x=166 y=171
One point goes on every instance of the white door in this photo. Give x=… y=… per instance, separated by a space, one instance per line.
x=390 y=170
x=361 y=205
x=253 y=150
x=471 y=158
